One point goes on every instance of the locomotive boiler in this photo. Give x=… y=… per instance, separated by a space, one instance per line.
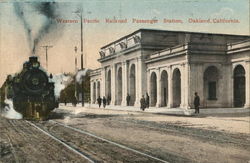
x=32 y=91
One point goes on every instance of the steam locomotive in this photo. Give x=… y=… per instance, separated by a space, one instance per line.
x=32 y=91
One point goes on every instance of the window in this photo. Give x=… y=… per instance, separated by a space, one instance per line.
x=212 y=90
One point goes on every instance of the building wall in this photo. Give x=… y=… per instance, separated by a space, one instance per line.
x=95 y=85
x=240 y=56
x=199 y=84
x=155 y=52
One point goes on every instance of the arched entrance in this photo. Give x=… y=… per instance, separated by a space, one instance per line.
x=164 y=88
x=211 y=78
x=132 y=88
x=239 y=86
x=119 y=86
x=153 y=89
x=176 y=88
x=94 y=92
x=108 y=86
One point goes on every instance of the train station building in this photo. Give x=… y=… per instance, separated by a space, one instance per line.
x=171 y=66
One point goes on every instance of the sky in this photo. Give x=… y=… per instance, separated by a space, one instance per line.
x=23 y=22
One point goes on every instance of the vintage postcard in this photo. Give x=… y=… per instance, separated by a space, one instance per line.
x=125 y=81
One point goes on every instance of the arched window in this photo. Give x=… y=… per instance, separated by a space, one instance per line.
x=164 y=88
x=108 y=86
x=176 y=88
x=132 y=87
x=211 y=77
x=153 y=89
x=119 y=87
x=239 y=86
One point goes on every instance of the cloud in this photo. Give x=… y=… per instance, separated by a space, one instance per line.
x=155 y=12
x=224 y=12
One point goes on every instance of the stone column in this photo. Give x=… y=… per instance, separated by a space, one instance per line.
x=200 y=85
x=229 y=86
x=170 y=87
x=247 y=85
x=100 y=88
x=182 y=71
x=124 y=83
x=91 y=92
x=195 y=83
x=148 y=84
x=102 y=83
x=106 y=87
x=158 y=84
x=96 y=91
x=185 y=85
x=223 y=84
x=143 y=78
x=113 y=86
x=138 y=78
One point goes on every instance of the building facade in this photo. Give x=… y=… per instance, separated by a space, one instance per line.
x=171 y=66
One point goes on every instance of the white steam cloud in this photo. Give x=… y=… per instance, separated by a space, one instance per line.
x=9 y=111
x=80 y=74
x=61 y=81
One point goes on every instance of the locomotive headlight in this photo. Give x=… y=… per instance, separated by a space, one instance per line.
x=35 y=81
x=35 y=65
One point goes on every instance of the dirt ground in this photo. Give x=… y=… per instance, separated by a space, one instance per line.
x=233 y=123
x=211 y=138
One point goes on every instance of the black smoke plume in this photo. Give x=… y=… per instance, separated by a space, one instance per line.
x=19 y=11
x=48 y=10
x=49 y=25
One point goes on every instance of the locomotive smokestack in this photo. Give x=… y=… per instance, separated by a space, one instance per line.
x=33 y=62
x=33 y=59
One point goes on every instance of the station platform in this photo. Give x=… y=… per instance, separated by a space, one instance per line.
x=168 y=111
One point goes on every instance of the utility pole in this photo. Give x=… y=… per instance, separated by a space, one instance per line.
x=46 y=47
x=76 y=72
x=79 y=13
x=82 y=61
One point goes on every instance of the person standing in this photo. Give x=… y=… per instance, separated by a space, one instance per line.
x=147 y=100
x=99 y=100
x=143 y=103
x=104 y=101
x=196 y=103
x=74 y=101
x=108 y=99
x=128 y=99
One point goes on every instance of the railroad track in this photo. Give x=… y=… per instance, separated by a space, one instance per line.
x=63 y=143
x=99 y=146
x=13 y=152
x=28 y=144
